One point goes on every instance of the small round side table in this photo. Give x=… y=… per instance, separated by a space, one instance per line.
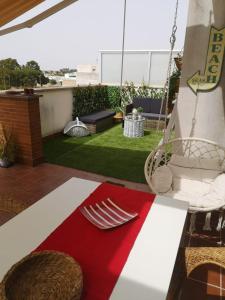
x=133 y=127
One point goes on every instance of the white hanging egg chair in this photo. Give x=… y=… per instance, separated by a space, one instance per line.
x=76 y=129
x=188 y=169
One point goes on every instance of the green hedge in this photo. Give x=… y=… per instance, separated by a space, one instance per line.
x=114 y=96
x=88 y=99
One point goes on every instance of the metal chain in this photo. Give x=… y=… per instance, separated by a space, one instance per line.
x=167 y=83
x=122 y=56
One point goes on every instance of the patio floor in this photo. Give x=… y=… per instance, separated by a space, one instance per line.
x=27 y=185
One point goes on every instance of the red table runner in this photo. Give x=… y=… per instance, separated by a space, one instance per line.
x=102 y=254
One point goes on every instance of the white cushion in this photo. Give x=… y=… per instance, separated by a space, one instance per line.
x=198 y=181
x=162 y=179
x=198 y=163
x=218 y=186
x=195 y=169
x=199 y=194
x=193 y=187
x=193 y=174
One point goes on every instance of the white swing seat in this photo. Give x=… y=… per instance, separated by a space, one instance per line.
x=189 y=169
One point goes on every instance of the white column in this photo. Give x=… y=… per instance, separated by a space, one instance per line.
x=210 y=108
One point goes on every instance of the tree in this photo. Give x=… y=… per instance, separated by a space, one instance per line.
x=36 y=75
x=28 y=77
x=9 y=69
x=32 y=64
x=52 y=81
x=9 y=64
x=12 y=74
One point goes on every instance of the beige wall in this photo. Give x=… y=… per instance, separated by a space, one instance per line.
x=56 y=108
x=208 y=108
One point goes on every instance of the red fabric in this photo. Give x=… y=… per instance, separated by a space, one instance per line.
x=101 y=254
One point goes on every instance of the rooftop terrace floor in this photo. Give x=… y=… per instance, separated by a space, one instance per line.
x=26 y=185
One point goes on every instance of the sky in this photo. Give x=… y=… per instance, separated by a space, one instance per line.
x=76 y=34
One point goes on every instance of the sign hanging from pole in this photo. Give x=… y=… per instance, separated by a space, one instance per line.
x=211 y=77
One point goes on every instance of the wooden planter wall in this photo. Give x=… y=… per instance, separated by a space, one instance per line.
x=21 y=112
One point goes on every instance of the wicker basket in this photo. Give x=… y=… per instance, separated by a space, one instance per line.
x=46 y=275
x=197 y=256
x=133 y=128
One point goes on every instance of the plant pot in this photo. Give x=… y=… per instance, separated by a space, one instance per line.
x=118 y=117
x=28 y=91
x=177 y=85
x=178 y=62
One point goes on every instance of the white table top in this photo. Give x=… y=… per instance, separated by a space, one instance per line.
x=148 y=270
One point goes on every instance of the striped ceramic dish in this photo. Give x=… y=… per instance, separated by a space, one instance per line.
x=107 y=214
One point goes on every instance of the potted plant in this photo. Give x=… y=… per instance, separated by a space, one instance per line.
x=178 y=61
x=119 y=112
x=174 y=86
x=140 y=111
x=118 y=118
x=7 y=147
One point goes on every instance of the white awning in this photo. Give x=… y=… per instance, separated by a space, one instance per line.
x=10 y=10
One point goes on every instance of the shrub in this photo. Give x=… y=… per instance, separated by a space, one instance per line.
x=89 y=99
x=130 y=91
x=113 y=96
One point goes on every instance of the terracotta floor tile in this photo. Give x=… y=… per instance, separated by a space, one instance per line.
x=193 y=290
x=223 y=279
x=207 y=273
x=5 y=216
x=27 y=185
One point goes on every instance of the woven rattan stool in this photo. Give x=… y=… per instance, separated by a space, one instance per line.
x=46 y=275
x=197 y=256
x=189 y=259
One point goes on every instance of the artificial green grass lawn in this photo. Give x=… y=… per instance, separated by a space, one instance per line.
x=108 y=153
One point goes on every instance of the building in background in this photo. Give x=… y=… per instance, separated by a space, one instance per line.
x=69 y=79
x=87 y=74
x=148 y=66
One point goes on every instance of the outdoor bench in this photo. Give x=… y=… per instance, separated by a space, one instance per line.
x=98 y=121
x=151 y=111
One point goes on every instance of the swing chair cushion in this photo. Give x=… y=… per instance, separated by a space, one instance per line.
x=198 y=181
x=198 y=172
x=204 y=170
x=199 y=195
x=162 y=179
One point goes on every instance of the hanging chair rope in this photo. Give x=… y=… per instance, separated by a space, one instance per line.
x=122 y=53
x=167 y=84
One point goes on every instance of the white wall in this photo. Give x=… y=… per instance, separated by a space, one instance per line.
x=202 y=115
x=149 y=66
x=87 y=78
x=56 y=107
